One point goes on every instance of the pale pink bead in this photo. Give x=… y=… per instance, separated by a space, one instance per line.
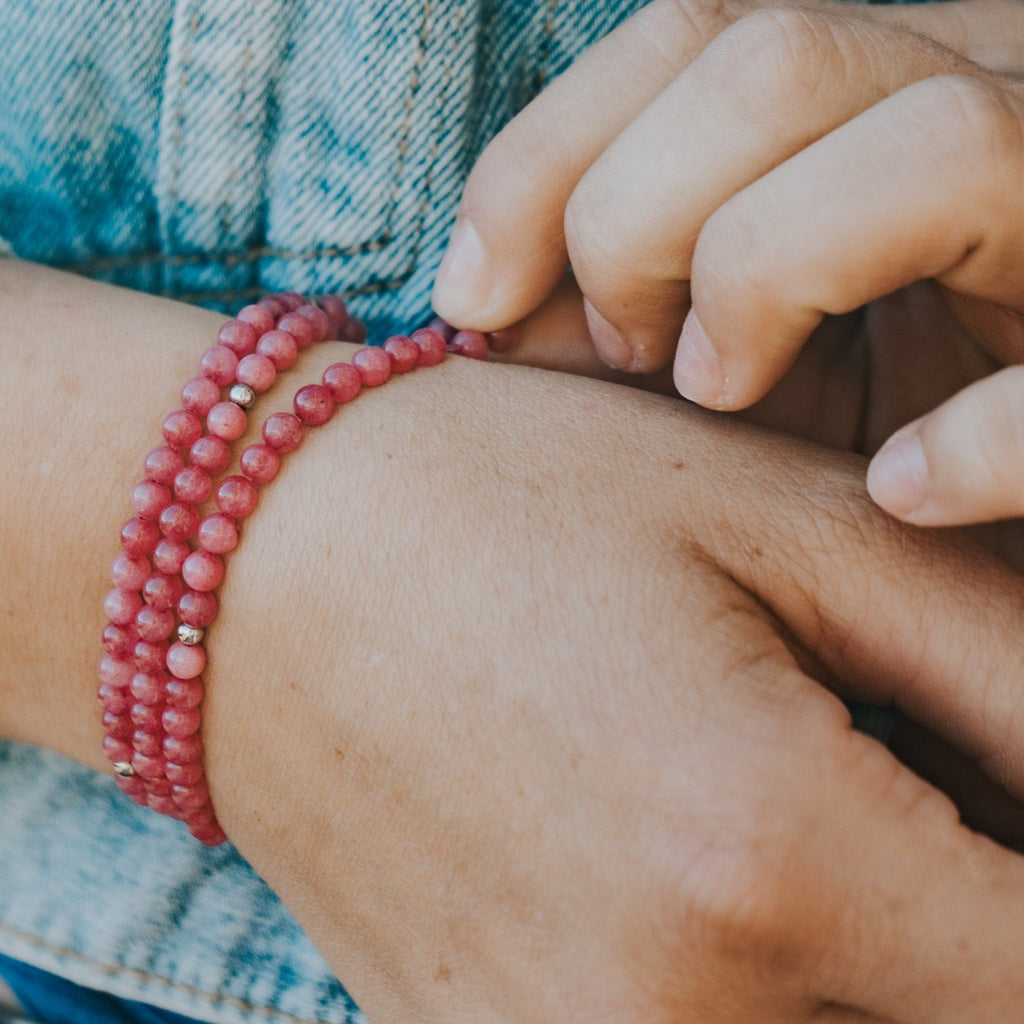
x=161 y=787
x=154 y=624
x=116 y=671
x=443 y=328
x=353 y=331
x=197 y=609
x=300 y=328
x=343 y=382
x=200 y=818
x=179 y=520
x=169 y=554
x=182 y=429
x=202 y=571
x=273 y=305
x=185 y=774
x=227 y=420
x=432 y=346
x=218 y=534
x=133 y=787
x=257 y=371
x=279 y=347
x=404 y=353
x=318 y=320
x=150 y=656
x=119 y=640
x=183 y=750
x=162 y=805
x=291 y=300
x=219 y=364
x=118 y=749
x=150 y=499
x=116 y=700
x=193 y=484
x=238 y=336
x=334 y=308
x=260 y=463
x=163 y=464
x=200 y=395
x=260 y=319
x=374 y=366
x=129 y=572
x=139 y=536
x=121 y=606
x=148 y=688
x=212 y=454
x=178 y=722
x=162 y=591
x=151 y=744
x=208 y=834
x=236 y=497
x=184 y=694
x=471 y=344
x=118 y=724
x=190 y=798
x=283 y=432
x=185 y=661
x=313 y=404
x=147 y=716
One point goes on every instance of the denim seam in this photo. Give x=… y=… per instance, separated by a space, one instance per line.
x=215 y=998
x=229 y=184
x=545 y=55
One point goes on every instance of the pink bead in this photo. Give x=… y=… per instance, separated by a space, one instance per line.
x=279 y=347
x=227 y=420
x=283 y=432
x=183 y=750
x=471 y=344
x=319 y=321
x=186 y=661
x=257 y=371
x=197 y=609
x=343 y=382
x=353 y=331
x=160 y=787
x=150 y=499
x=185 y=774
x=313 y=404
x=117 y=749
x=169 y=555
x=147 y=717
x=200 y=395
x=116 y=672
x=273 y=305
x=163 y=464
x=151 y=744
x=182 y=429
x=129 y=572
x=148 y=688
x=119 y=640
x=260 y=463
x=236 y=497
x=292 y=300
x=191 y=798
x=161 y=591
x=117 y=724
x=139 y=536
x=181 y=723
x=300 y=328
x=501 y=341
x=374 y=366
x=336 y=312
x=202 y=571
x=260 y=319
x=121 y=606
x=193 y=484
x=442 y=327
x=162 y=805
x=238 y=336
x=209 y=835
x=150 y=655
x=133 y=787
x=432 y=346
x=179 y=520
x=116 y=700
x=404 y=353
x=184 y=694
x=219 y=364
x=153 y=624
x=212 y=454
x=218 y=534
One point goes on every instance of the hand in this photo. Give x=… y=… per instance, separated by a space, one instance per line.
x=778 y=163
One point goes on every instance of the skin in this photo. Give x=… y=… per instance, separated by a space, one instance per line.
x=722 y=177
x=525 y=724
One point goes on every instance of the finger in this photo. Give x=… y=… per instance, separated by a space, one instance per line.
x=923 y=184
x=961 y=463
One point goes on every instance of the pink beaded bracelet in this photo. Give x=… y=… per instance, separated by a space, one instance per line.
x=172 y=558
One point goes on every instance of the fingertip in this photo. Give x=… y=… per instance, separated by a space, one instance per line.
x=898 y=478
x=698 y=372
x=464 y=283
x=611 y=347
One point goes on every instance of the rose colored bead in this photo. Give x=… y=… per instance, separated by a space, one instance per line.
x=404 y=353
x=129 y=572
x=116 y=700
x=148 y=687
x=182 y=429
x=236 y=497
x=279 y=347
x=121 y=606
x=169 y=555
x=193 y=484
x=333 y=306
x=300 y=328
x=119 y=640
x=209 y=835
x=197 y=609
x=260 y=319
x=203 y=571
x=154 y=624
x=313 y=404
x=258 y=371
x=260 y=463
x=150 y=656
x=179 y=520
x=191 y=798
x=161 y=591
x=200 y=395
x=147 y=716
x=186 y=661
x=291 y=300
x=117 y=749
x=431 y=344
x=163 y=464
x=162 y=805
x=353 y=331
x=185 y=774
x=227 y=420
x=183 y=750
x=218 y=534
x=116 y=672
x=219 y=364
x=184 y=694
x=471 y=344
x=501 y=341
x=133 y=787
x=374 y=366
x=212 y=454
x=150 y=499
x=200 y=818
x=318 y=320
x=273 y=305
x=139 y=536
x=180 y=723
x=116 y=723
x=442 y=327
x=238 y=336
x=283 y=432
x=343 y=381
x=151 y=744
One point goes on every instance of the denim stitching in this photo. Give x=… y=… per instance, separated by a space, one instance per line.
x=184 y=77
x=229 y=183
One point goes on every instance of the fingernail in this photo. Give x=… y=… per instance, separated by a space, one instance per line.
x=898 y=475
x=698 y=372
x=463 y=283
x=610 y=344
